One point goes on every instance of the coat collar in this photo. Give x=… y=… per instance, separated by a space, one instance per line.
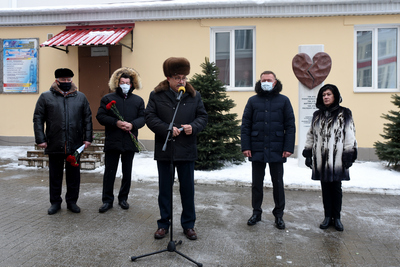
x=54 y=87
x=276 y=90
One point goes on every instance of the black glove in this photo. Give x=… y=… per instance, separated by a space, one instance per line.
x=347 y=164
x=309 y=162
x=348 y=159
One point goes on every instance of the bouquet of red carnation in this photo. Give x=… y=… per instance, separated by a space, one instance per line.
x=73 y=159
x=111 y=106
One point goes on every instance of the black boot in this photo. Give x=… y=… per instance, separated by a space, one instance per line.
x=338 y=224
x=325 y=224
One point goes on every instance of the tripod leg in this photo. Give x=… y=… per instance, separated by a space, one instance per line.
x=133 y=258
x=186 y=257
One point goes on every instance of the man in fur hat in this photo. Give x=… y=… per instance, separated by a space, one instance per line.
x=119 y=133
x=191 y=118
x=68 y=119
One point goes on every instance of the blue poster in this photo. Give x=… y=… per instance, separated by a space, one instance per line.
x=20 y=66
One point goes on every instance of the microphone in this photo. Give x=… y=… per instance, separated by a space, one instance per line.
x=181 y=91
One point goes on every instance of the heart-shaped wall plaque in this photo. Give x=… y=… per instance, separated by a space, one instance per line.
x=311 y=73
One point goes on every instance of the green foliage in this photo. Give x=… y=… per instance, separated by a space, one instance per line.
x=219 y=143
x=390 y=150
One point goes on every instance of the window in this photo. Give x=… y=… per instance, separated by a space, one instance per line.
x=232 y=50
x=376 y=62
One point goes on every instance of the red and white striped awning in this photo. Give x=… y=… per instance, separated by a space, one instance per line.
x=90 y=35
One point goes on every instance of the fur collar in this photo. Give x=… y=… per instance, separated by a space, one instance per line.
x=164 y=86
x=54 y=87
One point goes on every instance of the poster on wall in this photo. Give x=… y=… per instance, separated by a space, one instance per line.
x=20 y=65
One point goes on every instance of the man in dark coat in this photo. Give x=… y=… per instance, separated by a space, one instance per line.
x=62 y=123
x=182 y=149
x=119 y=133
x=268 y=136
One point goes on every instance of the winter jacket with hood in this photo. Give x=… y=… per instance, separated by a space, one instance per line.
x=331 y=139
x=159 y=112
x=67 y=117
x=130 y=107
x=268 y=125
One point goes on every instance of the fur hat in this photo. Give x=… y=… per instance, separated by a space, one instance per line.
x=63 y=73
x=114 y=80
x=176 y=65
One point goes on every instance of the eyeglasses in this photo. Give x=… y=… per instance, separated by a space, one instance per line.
x=64 y=79
x=178 y=79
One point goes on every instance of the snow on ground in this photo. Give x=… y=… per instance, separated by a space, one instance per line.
x=366 y=177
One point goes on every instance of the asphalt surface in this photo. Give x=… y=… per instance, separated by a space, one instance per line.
x=30 y=237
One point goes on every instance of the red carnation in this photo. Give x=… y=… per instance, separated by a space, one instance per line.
x=71 y=159
x=110 y=105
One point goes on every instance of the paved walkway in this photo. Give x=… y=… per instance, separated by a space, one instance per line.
x=30 y=237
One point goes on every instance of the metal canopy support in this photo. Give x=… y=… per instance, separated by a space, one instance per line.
x=131 y=47
x=65 y=50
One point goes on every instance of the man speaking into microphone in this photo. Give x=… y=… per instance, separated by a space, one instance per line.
x=190 y=119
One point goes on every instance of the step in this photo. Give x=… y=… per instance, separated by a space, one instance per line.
x=86 y=164
x=99 y=155
x=92 y=147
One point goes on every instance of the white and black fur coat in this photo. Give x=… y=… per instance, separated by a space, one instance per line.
x=331 y=141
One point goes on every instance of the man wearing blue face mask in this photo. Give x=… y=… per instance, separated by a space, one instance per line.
x=118 y=142
x=268 y=136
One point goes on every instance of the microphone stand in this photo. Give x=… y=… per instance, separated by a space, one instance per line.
x=171 y=244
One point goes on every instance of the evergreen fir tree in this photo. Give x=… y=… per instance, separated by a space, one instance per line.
x=390 y=151
x=219 y=142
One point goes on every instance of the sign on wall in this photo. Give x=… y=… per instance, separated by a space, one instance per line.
x=20 y=65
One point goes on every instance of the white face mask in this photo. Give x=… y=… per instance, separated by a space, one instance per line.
x=125 y=88
x=266 y=86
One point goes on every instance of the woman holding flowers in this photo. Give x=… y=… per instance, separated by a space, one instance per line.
x=122 y=114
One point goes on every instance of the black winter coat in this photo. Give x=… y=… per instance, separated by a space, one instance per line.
x=68 y=120
x=268 y=125
x=131 y=109
x=159 y=112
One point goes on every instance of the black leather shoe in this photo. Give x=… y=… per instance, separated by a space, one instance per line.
x=160 y=233
x=254 y=219
x=73 y=207
x=338 y=224
x=326 y=223
x=279 y=223
x=124 y=204
x=105 y=207
x=54 y=208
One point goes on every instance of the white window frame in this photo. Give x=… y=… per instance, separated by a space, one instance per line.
x=231 y=30
x=374 y=88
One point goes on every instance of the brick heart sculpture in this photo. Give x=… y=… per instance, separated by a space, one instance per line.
x=311 y=73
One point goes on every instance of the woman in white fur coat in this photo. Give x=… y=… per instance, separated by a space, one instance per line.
x=330 y=150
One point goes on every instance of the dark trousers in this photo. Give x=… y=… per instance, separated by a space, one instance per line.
x=111 y=166
x=332 y=199
x=72 y=179
x=185 y=170
x=257 y=187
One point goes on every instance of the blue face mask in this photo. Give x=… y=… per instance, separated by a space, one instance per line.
x=266 y=86
x=125 y=88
